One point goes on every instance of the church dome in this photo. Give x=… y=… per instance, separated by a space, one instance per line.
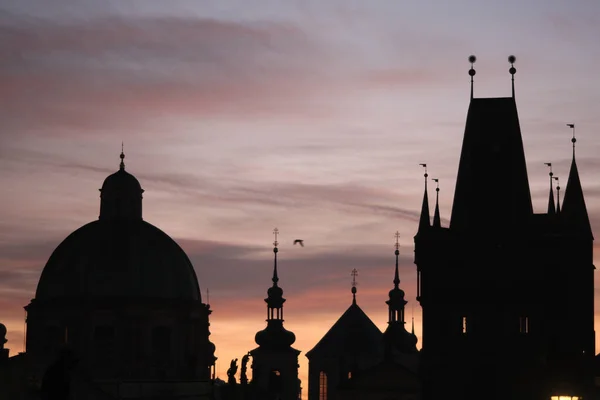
x=121 y=181
x=119 y=255
x=118 y=259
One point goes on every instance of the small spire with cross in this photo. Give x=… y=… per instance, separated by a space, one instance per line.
x=275 y=233
x=397 y=253
x=354 y=274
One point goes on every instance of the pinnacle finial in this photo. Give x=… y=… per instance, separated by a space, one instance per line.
x=437 y=184
x=573 y=139
x=426 y=174
x=122 y=156
x=557 y=194
x=354 y=274
x=472 y=72
x=512 y=71
x=275 y=250
x=275 y=233
x=397 y=253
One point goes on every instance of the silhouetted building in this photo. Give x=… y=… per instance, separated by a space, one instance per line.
x=397 y=375
x=507 y=294
x=354 y=343
x=124 y=298
x=400 y=345
x=275 y=361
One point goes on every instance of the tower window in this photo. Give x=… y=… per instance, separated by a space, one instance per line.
x=464 y=324
x=322 y=385
x=524 y=324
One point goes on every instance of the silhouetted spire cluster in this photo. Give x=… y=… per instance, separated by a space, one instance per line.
x=425 y=219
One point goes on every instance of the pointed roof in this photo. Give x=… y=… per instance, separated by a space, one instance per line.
x=574 y=210
x=492 y=188
x=353 y=333
x=424 y=221
x=437 y=221
x=551 y=205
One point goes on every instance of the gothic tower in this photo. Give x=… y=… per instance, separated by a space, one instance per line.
x=507 y=295
x=275 y=361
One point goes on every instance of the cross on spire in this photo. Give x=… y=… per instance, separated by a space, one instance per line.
x=354 y=274
x=397 y=236
x=275 y=232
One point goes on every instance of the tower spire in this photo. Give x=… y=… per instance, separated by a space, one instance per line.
x=437 y=222
x=354 y=274
x=551 y=206
x=275 y=250
x=122 y=156
x=574 y=208
x=512 y=71
x=557 y=195
x=472 y=72
x=397 y=253
x=424 y=220
x=396 y=300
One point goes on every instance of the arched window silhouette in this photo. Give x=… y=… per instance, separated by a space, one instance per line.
x=104 y=340
x=161 y=342
x=322 y=385
x=54 y=337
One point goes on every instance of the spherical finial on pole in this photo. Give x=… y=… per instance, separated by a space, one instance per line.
x=512 y=70
x=472 y=72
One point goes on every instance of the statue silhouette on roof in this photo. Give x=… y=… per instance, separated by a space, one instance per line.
x=232 y=371
x=243 y=376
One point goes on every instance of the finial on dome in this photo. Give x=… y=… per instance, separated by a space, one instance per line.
x=472 y=72
x=512 y=70
x=275 y=250
x=397 y=253
x=573 y=139
x=354 y=274
x=122 y=156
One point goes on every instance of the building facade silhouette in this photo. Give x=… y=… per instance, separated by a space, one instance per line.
x=507 y=294
x=352 y=344
x=123 y=297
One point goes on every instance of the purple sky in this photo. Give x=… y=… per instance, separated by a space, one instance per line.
x=239 y=116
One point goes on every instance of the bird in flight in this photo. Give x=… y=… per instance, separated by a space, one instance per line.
x=299 y=241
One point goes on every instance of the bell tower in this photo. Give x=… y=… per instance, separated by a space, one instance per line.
x=275 y=361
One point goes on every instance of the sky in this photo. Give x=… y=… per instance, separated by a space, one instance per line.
x=241 y=116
